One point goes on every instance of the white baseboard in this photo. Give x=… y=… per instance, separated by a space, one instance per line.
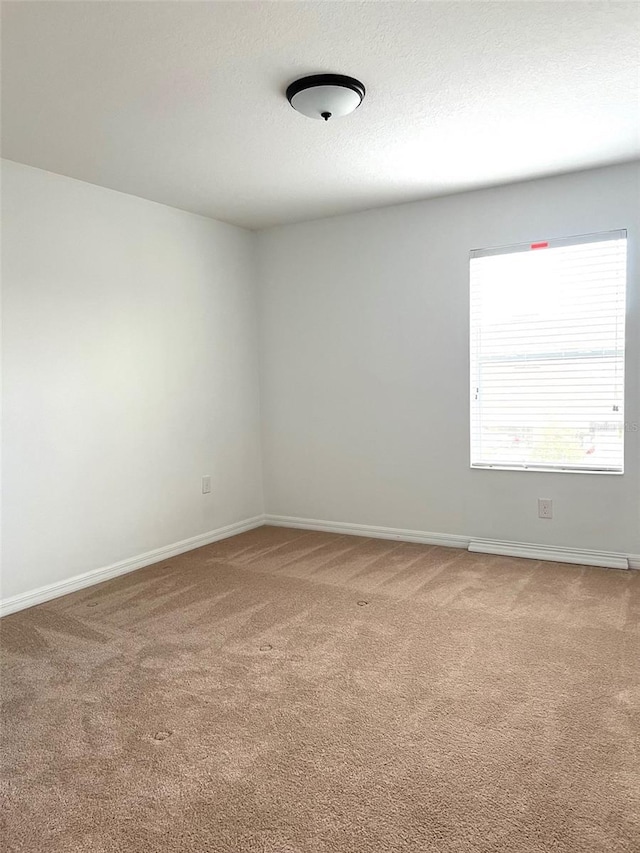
x=54 y=590
x=552 y=553
x=402 y=535
x=583 y=557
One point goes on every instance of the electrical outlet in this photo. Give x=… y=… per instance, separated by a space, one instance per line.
x=206 y=484
x=545 y=508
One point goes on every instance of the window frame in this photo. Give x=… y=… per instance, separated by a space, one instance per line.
x=551 y=243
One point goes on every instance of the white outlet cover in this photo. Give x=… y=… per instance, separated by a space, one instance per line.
x=545 y=508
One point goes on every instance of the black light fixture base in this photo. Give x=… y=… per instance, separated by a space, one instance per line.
x=325 y=80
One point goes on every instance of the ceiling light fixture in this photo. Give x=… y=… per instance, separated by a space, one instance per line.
x=325 y=96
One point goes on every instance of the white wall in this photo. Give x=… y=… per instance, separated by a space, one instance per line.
x=365 y=358
x=130 y=371
x=130 y=362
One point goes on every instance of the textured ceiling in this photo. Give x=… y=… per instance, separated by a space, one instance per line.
x=182 y=102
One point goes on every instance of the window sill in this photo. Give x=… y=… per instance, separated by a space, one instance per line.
x=543 y=470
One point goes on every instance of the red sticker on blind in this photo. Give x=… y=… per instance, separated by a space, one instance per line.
x=539 y=246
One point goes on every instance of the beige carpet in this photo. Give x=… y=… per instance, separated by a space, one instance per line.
x=289 y=692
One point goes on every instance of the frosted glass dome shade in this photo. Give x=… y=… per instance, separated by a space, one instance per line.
x=325 y=96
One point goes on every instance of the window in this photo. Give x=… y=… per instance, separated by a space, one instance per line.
x=547 y=355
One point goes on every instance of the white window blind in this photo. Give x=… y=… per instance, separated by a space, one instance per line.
x=547 y=355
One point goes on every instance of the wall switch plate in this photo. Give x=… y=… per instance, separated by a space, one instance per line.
x=545 y=508
x=206 y=484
